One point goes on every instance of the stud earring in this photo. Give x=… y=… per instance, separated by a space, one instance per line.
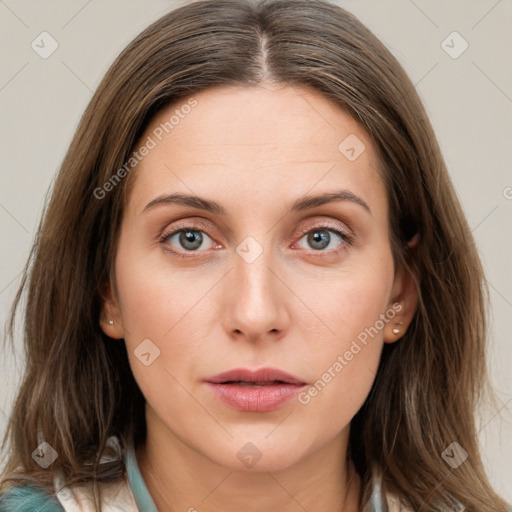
x=111 y=322
x=395 y=330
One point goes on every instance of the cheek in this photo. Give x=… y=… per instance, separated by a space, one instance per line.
x=343 y=366
x=353 y=309
x=158 y=305
x=154 y=297
x=346 y=302
x=169 y=307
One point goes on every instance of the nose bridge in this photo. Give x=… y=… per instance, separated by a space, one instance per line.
x=256 y=305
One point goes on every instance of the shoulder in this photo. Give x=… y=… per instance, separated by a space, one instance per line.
x=27 y=498
x=115 y=497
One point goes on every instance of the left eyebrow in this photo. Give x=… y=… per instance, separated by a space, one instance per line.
x=304 y=203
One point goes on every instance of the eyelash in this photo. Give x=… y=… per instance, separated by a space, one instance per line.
x=347 y=238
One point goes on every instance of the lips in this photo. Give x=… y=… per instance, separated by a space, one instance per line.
x=262 y=390
x=262 y=377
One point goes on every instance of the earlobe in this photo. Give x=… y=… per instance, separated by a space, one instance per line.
x=396 y=330
x=110 y=315
x=405 y=293
x=111 y=329
x=413 y=242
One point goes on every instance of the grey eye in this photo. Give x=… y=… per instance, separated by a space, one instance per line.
x=188 y=239
x=320 y=239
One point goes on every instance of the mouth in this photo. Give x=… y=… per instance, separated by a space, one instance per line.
x=262 y=390
x=251 y=384
x=261 y=377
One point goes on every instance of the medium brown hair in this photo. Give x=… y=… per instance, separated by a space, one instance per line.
x=78 y=388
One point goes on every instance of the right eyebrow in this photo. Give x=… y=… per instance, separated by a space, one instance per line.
x=187 y=200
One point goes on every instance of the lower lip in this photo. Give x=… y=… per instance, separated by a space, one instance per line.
x=255 y=398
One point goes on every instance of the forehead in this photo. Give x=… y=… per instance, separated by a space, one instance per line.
x=258 y=118
x=271 y=137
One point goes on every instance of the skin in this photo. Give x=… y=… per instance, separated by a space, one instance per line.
x=297 y=307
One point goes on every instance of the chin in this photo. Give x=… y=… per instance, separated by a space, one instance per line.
x=261 y=452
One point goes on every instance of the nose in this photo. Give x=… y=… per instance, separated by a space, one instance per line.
x=256 y=300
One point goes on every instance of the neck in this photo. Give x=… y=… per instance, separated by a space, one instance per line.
x=181 y=479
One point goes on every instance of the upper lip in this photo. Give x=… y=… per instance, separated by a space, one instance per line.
x=260 y=376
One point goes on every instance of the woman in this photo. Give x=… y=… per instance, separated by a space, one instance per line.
x=253 y=287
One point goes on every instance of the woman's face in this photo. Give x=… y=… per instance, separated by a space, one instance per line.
x=223 y=264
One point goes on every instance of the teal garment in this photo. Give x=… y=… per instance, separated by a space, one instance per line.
x=32 y=498
x=29 y=498
x=140 y=491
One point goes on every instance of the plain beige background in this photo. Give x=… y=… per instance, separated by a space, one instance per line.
x=469 y=100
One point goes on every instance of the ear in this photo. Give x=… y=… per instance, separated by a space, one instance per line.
x=110 y=315
x=405 y=294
